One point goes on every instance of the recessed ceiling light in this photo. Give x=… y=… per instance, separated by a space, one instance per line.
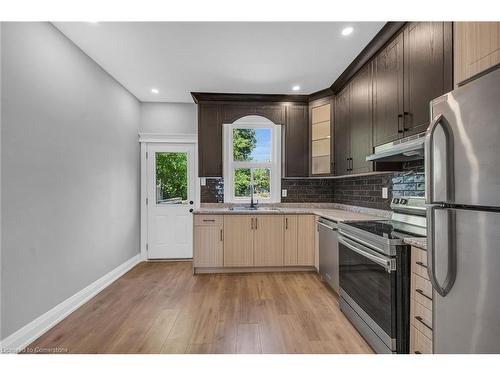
x=347 y=31
x=296 y=88
x=155 y=91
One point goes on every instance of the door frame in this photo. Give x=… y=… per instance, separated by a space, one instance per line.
x=146 y=139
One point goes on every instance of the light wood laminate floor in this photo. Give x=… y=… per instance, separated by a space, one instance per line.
x=161 y=307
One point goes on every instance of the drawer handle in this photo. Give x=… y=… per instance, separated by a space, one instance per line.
x=421 y=320
x=209 y=220
x=421 y=292
x=418 y=352
x=421 y=264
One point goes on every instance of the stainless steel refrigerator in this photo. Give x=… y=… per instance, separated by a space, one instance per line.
x=462 y=166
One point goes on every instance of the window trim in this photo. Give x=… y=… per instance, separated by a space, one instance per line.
x=252 y=122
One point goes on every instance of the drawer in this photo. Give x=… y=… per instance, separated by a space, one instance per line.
x=421 y=291
x=208 y=219
x=421 y=318
x=419 y=262
x=419 y=343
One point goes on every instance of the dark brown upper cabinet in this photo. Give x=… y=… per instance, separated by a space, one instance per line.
x=388 y=93
x=427 y=71
x=342 y=132
x=209 y=140
x=353 y=125
x=408 y=73
x=296 y=145
x=360 y=111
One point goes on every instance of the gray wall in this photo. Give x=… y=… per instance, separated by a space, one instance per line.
x=70 y=172
x=169 y=118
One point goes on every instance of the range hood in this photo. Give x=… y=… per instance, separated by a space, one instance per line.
x=406 y=149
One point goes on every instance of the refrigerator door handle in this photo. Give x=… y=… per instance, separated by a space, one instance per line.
x=451 y=267
x=429 y=160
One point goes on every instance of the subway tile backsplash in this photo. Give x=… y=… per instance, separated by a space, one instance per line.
x=365 y=191
x=410 y=183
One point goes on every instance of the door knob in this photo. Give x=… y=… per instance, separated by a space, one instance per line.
x=191 y=202
x=190 y=210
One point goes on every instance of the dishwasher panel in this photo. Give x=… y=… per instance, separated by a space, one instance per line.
x=329 y=253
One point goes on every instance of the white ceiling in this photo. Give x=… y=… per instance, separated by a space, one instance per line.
x=244 y=57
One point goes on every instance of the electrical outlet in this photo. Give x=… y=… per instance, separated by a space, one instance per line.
x=385 y=192
x=203 y=181
x=284 y=193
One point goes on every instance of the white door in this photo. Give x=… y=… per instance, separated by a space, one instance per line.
x=171 y=193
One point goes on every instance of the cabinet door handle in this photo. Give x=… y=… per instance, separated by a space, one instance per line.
x=400 y=116
x=421 y=320
x=286 y=223
x=251 y=223
x=418 y=352
x=221 y=235
x=255 y=223
x=421 y=264
x=404 y=121
x=421 y=292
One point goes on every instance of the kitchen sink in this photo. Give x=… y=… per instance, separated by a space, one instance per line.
x=247 y=208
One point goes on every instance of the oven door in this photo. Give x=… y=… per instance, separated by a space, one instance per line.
x=368 y=285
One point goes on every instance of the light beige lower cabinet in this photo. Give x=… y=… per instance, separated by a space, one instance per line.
x=300 y=240
x=247 y=241
x=253 y=240
x=208 y=241
x=238 y=240
x=306 y=240
x=268 y=242
x=290 y=239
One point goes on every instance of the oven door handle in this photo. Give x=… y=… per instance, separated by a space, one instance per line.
x=364 y=243
x=384 y=262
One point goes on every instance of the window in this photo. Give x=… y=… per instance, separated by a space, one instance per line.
x=171 y=177
x=252 y=157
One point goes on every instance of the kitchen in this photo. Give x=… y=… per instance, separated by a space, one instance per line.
x=378 y=266
x=350 y=210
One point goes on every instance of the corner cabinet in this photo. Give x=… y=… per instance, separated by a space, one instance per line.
x=321 y=120
x=353 y=125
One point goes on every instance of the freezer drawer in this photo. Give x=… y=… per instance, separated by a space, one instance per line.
x=467 y=318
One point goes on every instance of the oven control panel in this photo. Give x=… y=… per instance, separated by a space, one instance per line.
x=414 y=204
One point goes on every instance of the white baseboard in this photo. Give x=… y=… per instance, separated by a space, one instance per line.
x=31 y=331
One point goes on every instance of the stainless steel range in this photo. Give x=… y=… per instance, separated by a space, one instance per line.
x=374 y=279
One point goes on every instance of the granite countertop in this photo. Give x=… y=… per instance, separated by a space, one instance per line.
x=334 y=214
x=417 y=242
